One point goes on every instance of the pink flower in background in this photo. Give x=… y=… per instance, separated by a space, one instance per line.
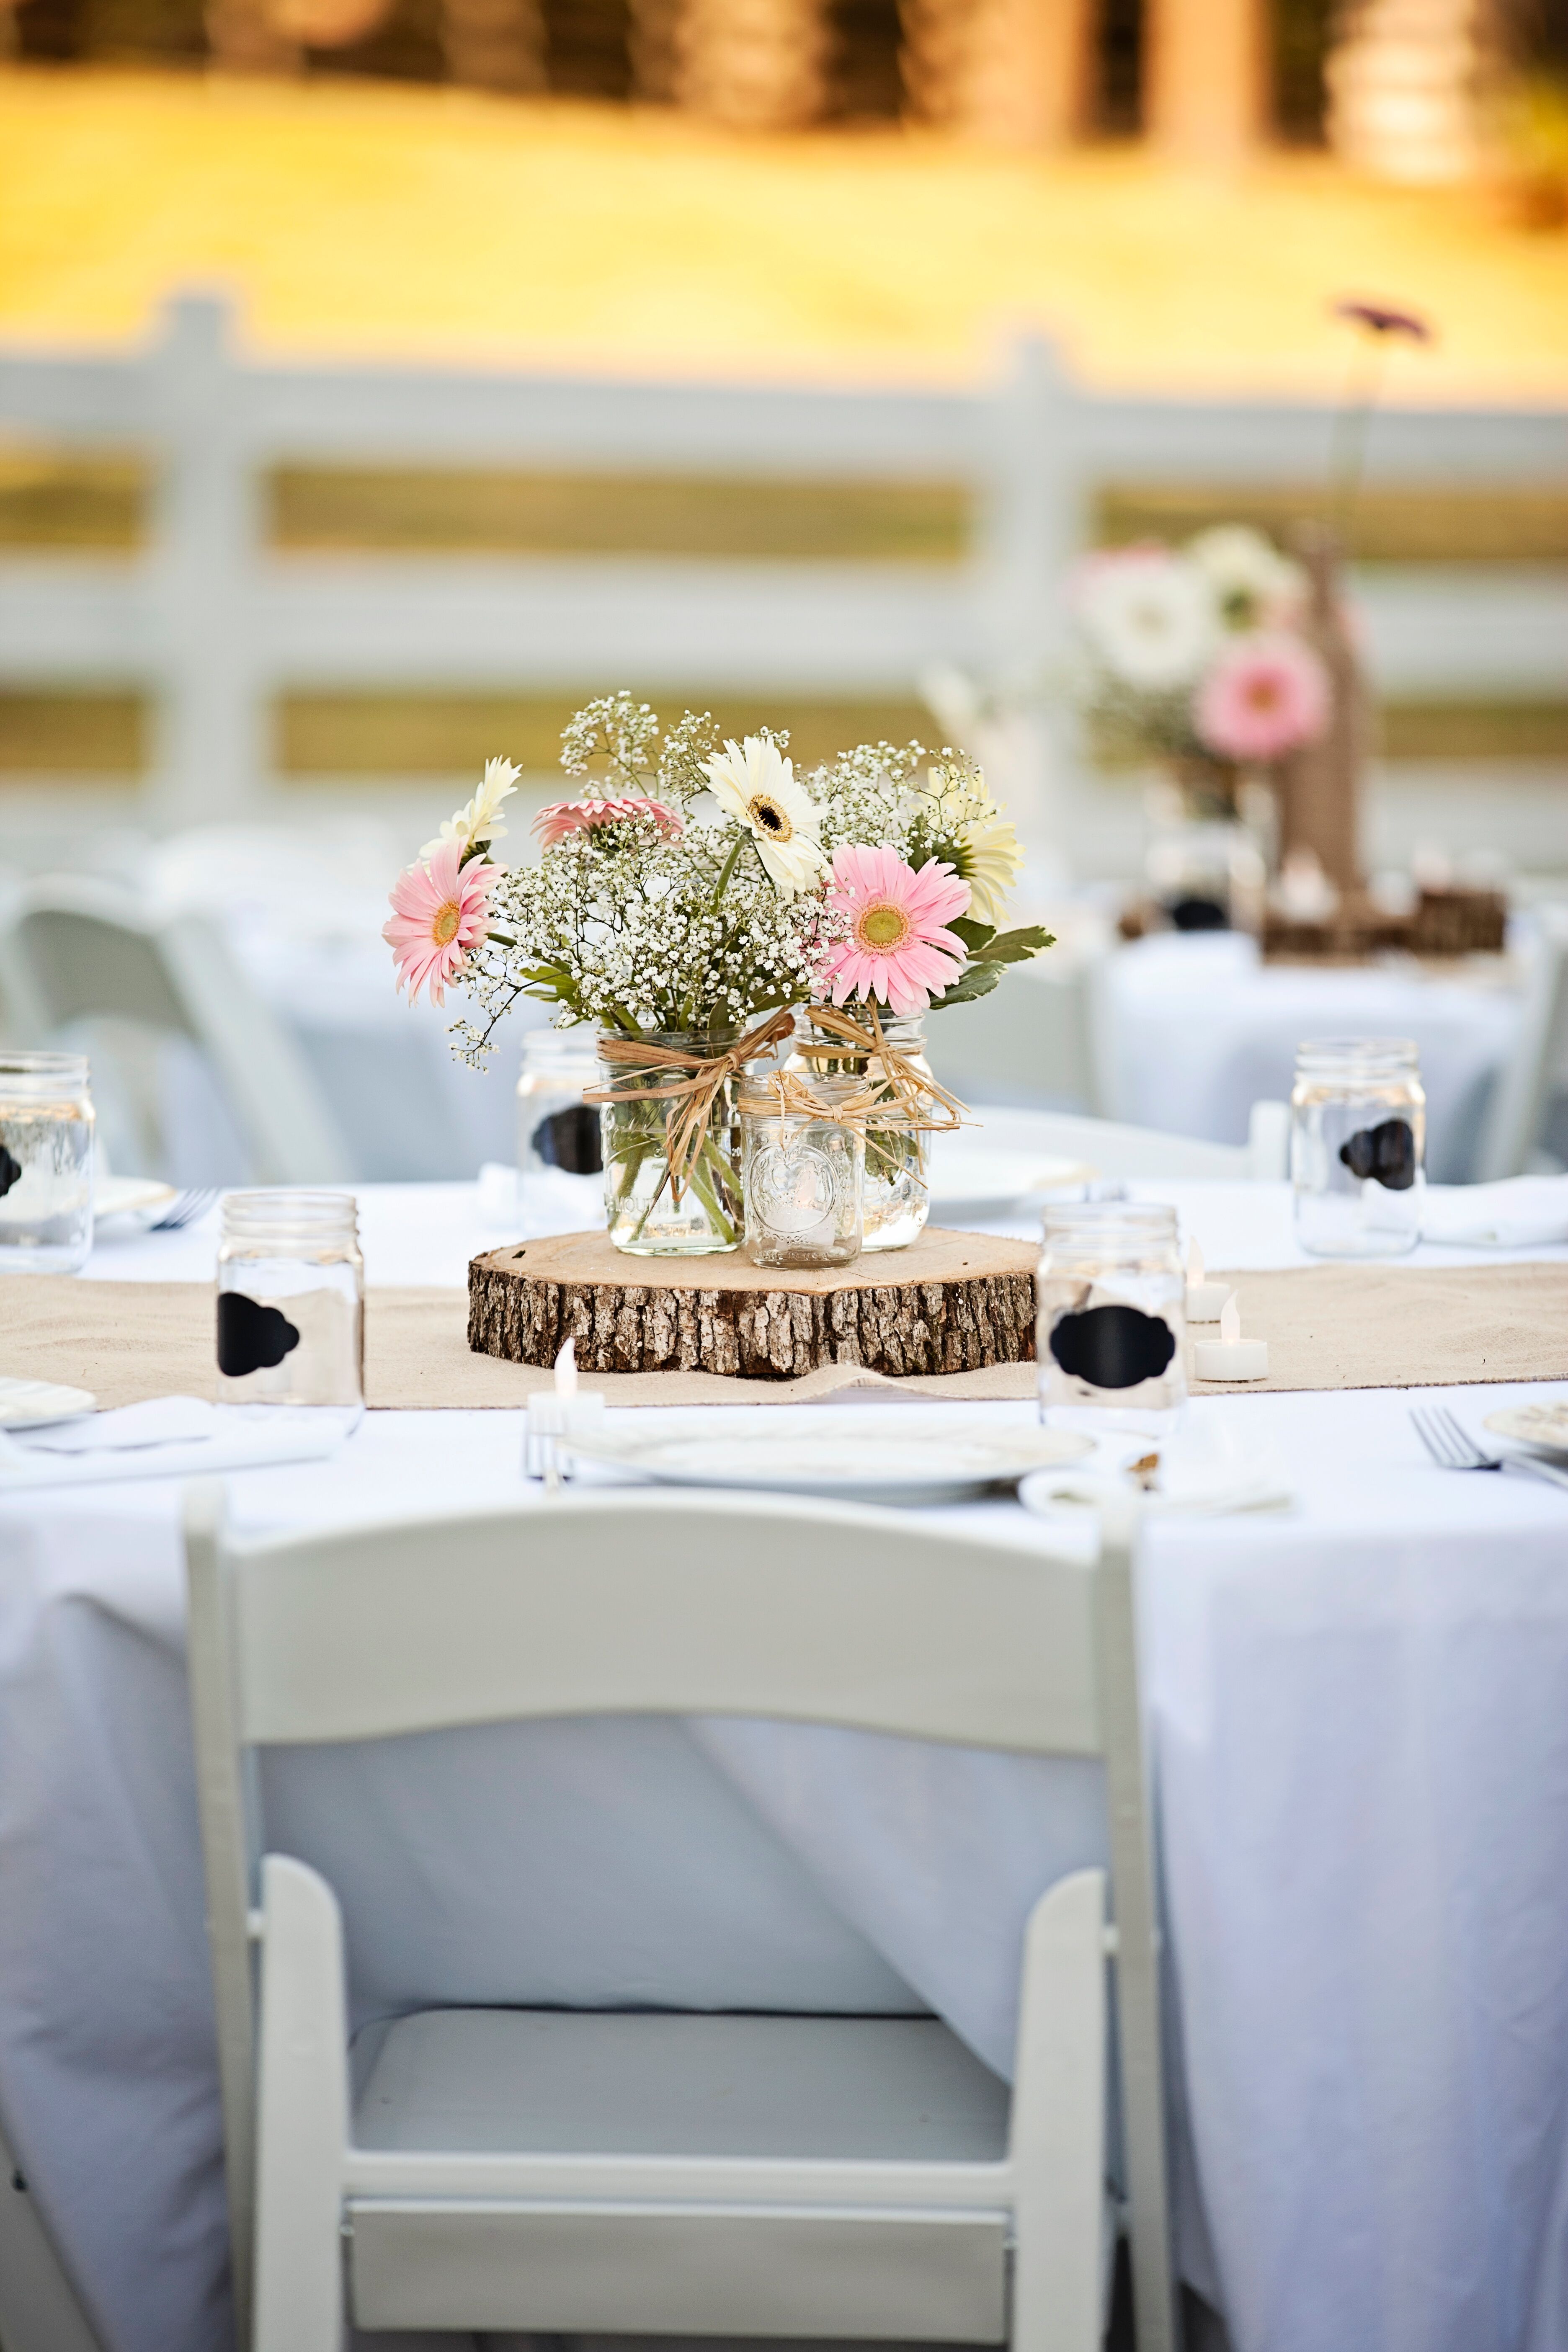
x=562 y=817
x=1263 y=698
x=438 y=913
x=898 y=951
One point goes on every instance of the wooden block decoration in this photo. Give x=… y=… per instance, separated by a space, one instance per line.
x=951 y=1302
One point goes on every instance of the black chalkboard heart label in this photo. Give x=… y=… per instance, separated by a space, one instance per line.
x=250 y=1338
x=570 y=1140
x=1113 y=1347
x=1386 y=1152
x=10 y=1171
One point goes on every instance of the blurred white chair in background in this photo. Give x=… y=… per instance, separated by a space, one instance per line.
x=1036 y=1040
x=1521 y=1098
x=77 y=951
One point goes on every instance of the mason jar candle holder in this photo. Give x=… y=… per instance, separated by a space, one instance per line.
x=45 y=1163
x=897 y=1191
x=556 y=1127
x=803 y=1176
x=1111 y=1301
x=1358 y=1145
x=291 y=1300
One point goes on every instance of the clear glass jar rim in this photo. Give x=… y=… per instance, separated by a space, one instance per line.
x=277 y=1210
x=1342 y=1053
x=27 y=1064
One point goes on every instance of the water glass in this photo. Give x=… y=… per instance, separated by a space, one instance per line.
x=556 y=1127
x=291 y=1300
x=1111 y=1303
x=804 y=1180
x=45 y=1163
x=1358 y=1142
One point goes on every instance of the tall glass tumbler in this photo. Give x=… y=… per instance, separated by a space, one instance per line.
x=1358 y=1145
x=45 y=1163
x=1112 y=1300
x=291 y=1300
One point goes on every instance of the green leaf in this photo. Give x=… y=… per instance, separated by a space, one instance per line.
x=978 y=980
x=1016 y=947
x=973 y=935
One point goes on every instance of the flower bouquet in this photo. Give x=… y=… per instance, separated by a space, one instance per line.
x=693 y=902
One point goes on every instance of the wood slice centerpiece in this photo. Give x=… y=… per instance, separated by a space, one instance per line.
x=949 y=1303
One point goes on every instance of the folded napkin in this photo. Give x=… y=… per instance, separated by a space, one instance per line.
x=1204 y=1470
x=167 y=1438
x=1521 y=1212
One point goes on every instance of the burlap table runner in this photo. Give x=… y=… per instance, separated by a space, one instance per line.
x=1328 y=1327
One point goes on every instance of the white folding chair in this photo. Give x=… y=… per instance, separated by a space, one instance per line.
x=1033 y=1040
x=1143 y=1153
x=516 y=2170
x=75 y=951
x=1510 y=1130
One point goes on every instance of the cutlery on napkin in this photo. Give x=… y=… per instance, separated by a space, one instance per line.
x=167 y=1438
x=1520 y=1213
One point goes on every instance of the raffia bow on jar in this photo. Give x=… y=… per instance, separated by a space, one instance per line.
x=693 y=1080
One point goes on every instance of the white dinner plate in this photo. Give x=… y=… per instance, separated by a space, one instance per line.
x=128 y=1196
x=966 y=1183
x=1544 y=1427
x=27 y=1402
x=906 y=1456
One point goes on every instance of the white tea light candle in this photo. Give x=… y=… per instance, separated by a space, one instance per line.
x=565 y=1413
x=1205 y=1300
x=1230 y=1356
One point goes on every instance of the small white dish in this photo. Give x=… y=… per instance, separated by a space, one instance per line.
x=25 y=1404
x=130 y=1196
x=1542 y=1427
x=869 y=1457
x=973 y=1181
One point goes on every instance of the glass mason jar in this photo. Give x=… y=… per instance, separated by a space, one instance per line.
x=1111 y=1298
x=556 y=1127
x=291 y=1300
x=896 y=1196
x=645 y=1216
x=1358 y=1142
x=802 y=1177
x=45 y=1163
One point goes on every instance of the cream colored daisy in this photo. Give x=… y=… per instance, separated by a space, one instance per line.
x=988 y=858
x=753 y=781
x=479 y=822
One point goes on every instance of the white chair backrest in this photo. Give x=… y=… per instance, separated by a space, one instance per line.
x=1525 y=1084
x=1031 y=1041
x=77 y=950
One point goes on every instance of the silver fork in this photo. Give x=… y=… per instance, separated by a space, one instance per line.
x=1452 y=1448
x=184 y=1209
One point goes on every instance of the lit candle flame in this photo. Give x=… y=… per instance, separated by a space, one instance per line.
x=1194 y=1262
x=1229 y=1322
x=566 y=1370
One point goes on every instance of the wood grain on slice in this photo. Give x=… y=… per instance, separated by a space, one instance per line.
x=949 y=1303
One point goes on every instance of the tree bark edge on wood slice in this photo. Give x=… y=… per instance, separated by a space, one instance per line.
x=949 y=1303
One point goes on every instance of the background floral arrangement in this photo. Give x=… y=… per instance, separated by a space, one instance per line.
x=1196 y=652
x=692 y=886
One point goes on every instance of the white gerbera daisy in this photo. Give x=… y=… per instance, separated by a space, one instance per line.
x=479 y=822
x=988 y=858
x=1149 y=614
x=753 y=781
x=1254 y=585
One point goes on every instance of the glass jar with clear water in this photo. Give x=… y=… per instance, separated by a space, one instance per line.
x=556 y=1127
x=896 y=1193
x=291 y=1300
x=802 y=1175
x=1357 y=1146
x=45 y=1162
x=1111 y=1302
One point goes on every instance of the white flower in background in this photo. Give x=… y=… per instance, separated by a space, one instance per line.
x=1148 y=614
x=480 y=821
x=988 y=858
x=1254 y=585
x=753 y=781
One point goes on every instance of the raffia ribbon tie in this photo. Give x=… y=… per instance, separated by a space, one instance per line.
x=694 y=1081
x=922 y=1103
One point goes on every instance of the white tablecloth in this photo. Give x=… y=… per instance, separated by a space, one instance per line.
x=1199 y=1030
x=1362 y=1753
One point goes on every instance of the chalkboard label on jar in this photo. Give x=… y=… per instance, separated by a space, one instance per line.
x=1385 y=1152
x=1113 y=1347
x=251 y=1337
x=570 y=1140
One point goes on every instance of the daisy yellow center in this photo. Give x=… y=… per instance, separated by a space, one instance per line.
x=769 y=818
x=444 y=929
x=883 y=926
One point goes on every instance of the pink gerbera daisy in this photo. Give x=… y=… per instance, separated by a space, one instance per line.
x=1265 y=697
x=439 y=913
x=562 y=817
x=896 y=951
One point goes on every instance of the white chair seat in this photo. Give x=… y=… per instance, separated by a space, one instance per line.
x=863 y=2089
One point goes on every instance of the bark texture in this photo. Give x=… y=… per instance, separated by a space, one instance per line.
x=951 y=1303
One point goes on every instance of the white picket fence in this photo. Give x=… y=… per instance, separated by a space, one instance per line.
x=215 y=624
